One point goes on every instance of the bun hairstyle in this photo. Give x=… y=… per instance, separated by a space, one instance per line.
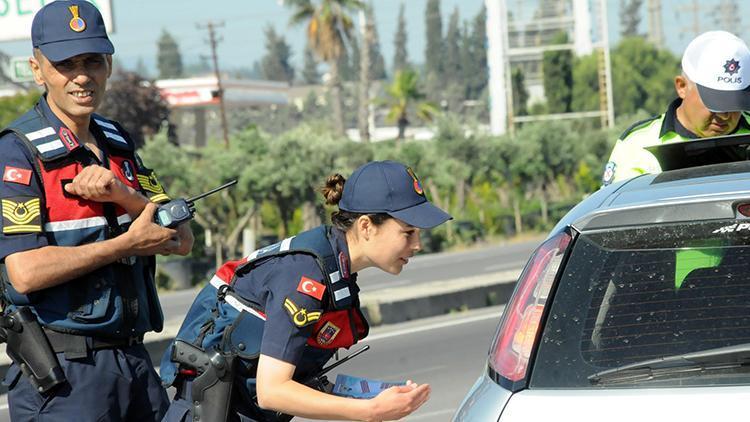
x=333 y=191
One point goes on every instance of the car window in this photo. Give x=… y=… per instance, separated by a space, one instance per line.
x=626 y=296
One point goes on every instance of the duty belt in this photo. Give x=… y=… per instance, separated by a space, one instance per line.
x=76 y=346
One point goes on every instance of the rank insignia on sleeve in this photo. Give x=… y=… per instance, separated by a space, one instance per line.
x=327 y=334
x=301 y=317
x=311 y=288
x=151 y=184
x=22 y=215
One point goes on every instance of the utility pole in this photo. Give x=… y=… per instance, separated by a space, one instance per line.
x=694 y=8
x=655 y=31
x=213 y=41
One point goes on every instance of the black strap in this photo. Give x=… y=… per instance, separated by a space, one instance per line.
x=77 y=346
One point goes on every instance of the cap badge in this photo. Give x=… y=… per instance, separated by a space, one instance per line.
x=732 y=66
x=417 y=185
x=76 y=23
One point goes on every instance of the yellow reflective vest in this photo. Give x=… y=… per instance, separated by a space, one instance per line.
x=630 y=158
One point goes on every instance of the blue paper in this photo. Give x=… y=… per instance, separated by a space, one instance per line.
x=360 y=388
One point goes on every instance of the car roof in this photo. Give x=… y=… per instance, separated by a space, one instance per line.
x=689 y=194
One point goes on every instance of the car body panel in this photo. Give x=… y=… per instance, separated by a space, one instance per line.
x=698 y=404
x=484 y=402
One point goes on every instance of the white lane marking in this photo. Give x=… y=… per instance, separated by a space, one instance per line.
x=506 y=266
x=430 y=415
x=434 y=326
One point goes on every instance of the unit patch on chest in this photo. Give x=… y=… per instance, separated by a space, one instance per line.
x=327 y=334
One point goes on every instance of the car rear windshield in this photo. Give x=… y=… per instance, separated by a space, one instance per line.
x=626 y=296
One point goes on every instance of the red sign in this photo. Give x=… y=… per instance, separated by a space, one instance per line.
x=17 y=175
x=311 y=287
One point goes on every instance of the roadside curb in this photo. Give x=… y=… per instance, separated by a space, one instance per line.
x=383 y=306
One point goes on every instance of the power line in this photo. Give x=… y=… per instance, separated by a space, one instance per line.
x=213 y=41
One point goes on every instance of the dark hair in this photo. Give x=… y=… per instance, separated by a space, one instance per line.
x=332 y=191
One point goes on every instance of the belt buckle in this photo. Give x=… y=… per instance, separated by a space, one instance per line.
x=133 y=340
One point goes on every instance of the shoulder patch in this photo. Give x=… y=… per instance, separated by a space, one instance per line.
x=116 y=136
x=609 y=173
x=311 y=287
x=22 y=214
x=17 y=175
x=301 y=317
x=637 y=125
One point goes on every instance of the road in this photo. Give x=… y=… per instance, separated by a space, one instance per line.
x=422 y=268
x=448 y=352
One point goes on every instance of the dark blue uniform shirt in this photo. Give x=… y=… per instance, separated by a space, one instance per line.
x=274 y=280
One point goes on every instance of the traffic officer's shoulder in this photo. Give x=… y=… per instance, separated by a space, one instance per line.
x=639 y=126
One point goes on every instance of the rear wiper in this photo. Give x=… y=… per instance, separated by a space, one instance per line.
x=714 y=359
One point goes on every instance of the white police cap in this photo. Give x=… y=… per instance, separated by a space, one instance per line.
x=719 y=63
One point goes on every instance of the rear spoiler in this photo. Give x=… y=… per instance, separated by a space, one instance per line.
x=701 y=152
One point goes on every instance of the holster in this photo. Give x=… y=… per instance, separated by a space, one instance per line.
x=30 y=349
x=212 y=387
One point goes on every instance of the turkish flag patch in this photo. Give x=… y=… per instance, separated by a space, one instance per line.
x=311 y=287
x=17 y=175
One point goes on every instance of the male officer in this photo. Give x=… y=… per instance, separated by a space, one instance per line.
x=78 y=237
x=713 y=90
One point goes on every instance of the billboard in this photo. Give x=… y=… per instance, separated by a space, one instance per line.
x=16 y=17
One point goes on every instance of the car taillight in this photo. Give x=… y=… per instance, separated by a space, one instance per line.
x=514 y=342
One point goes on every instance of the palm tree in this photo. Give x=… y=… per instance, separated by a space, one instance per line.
x=328 y=30
x=404 y=98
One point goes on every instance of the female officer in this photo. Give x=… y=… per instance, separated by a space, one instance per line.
x=255 y=337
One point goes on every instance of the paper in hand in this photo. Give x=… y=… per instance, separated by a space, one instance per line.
x=360 y=388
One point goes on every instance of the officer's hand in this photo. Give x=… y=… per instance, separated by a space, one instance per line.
x=96 y=183
x=148 y=238
x=398 y=402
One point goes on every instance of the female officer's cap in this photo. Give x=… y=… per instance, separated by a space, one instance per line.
x=392 y=188
x=66 y=28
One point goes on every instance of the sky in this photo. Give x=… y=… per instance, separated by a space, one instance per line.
x=139 y=23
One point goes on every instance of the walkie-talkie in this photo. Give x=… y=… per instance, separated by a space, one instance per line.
x=178 y=211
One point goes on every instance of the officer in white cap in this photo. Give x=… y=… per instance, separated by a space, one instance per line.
x=713 y=91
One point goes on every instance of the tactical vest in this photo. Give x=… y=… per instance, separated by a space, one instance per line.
x=220 y=318
x=116 y=300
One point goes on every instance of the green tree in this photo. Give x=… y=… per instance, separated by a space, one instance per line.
x=328 y=29
x=630 y=17
x=642 y=77
x=137 y=104
x=520 y=93
x=168 y=58
x=404 y=98
x=557 y=67
x=310 y=74
x=400 y=54
x=377 y=63
x=475 y=70
x=351 y=61
x=275 y=63
x=433 y=54
x=452 y=63
x=14 y=106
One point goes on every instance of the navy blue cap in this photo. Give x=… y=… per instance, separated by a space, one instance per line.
x=66 y=28
x=392 y=188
